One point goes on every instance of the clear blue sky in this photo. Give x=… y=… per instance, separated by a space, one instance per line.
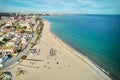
x=62 y=6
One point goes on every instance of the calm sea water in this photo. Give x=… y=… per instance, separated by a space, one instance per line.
x=96 y=36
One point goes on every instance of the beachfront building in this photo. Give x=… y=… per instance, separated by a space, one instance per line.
x=8 y=24
x=29 y=29
x=10 y=43
x=24 y=40
x=1 y=36
x=1 y=33
x=4 y=50
x=0 y=58
x=14 y=42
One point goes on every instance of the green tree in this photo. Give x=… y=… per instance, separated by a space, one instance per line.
x=19 y=49
x=5 y=39
x=9 y=56
x=1 y=42
x=22 y=29
x=38 y=32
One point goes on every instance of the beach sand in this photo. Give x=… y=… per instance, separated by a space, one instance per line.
x=64 y=64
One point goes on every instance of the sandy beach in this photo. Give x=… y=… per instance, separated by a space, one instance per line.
x=56 y=61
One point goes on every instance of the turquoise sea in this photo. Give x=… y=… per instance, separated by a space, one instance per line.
x=95 y=36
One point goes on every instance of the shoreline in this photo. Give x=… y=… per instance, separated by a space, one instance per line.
x=66 y=64
x=79 y=54
x=85 y=58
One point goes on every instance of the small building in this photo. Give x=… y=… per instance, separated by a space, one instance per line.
x=1 y=33
x=7 y=50
x=14 y=42
x=11 y=43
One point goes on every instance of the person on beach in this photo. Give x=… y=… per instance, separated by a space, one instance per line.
x=53 y=52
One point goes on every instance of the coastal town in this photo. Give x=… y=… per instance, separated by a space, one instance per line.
x=28 y=47
x=18 y=34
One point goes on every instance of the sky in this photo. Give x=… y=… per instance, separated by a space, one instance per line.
x=61 y=6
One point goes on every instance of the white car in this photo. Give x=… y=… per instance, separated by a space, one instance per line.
x=0 y=60
x=1 y=65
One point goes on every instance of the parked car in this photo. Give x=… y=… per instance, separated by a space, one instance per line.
x=1 y=65
x=4 y=59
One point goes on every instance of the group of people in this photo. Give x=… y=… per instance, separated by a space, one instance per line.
x=53 y=52
x=34 y=51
